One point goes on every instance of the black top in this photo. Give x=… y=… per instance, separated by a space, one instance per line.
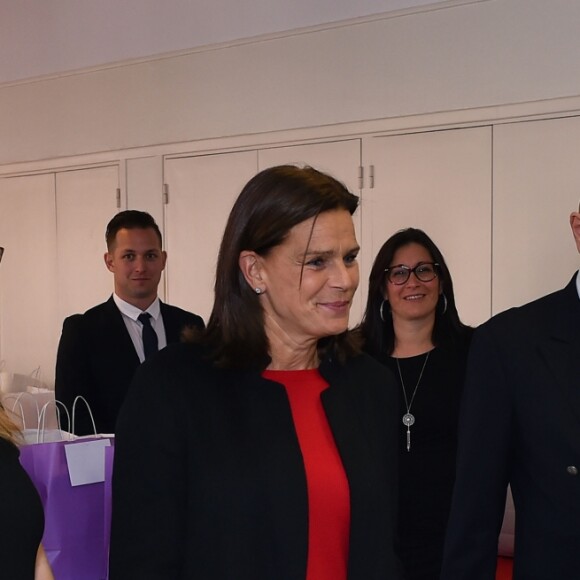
x=427 y=471
x=21 y=517
x=209 y=480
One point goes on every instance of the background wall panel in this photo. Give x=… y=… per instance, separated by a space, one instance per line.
x=464 y=56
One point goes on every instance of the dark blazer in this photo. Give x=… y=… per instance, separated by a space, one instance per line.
x=520 y=424
x=97 y=359
x=213 y=486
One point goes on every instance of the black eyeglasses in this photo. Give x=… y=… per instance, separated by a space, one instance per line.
x=400 y=274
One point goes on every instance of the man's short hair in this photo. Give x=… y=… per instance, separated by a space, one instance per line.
x=130 y=219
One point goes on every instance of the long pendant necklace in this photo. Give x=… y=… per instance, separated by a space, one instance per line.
x=408 y=418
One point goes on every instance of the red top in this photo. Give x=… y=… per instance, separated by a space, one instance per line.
x=328 y=492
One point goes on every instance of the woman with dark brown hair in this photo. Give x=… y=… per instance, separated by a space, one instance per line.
x=411 y=325
x=274 y=449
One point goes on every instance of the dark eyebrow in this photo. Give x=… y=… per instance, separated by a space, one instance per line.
x=329 y=252
x=310 y=253
x=131 y=251
x=421 y=263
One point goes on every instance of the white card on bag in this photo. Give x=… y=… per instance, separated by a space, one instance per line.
x=86 y=461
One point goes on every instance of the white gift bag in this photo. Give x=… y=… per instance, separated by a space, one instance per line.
x=19 y=382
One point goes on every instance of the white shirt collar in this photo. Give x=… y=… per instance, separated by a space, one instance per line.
x=578 y=283
x=133 y=312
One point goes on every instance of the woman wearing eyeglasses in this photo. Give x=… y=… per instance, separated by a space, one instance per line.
x=412 y=326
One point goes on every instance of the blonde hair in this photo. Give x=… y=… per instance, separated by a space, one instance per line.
x=8 y=430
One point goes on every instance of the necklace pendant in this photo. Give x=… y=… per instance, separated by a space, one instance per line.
x=408 y=418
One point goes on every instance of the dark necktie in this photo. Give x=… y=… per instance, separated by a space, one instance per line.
x=149 y=335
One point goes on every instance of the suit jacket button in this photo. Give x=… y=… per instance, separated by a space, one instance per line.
x=572 y=470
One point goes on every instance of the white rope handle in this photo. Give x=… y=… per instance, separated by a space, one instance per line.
x=18 y=402
x=88 y=409
x=42 y=419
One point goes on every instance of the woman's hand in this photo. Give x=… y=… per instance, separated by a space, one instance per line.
x=42 y=569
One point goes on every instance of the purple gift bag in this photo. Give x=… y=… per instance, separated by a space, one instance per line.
x=75 y=534
x=109 y=455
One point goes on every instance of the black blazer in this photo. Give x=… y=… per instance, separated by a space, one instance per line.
x=520 y=424
x=97 y=359
x=209 y=480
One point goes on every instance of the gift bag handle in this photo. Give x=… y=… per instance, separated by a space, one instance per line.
x=42 y=419
x=17 y=402
x=77 y=398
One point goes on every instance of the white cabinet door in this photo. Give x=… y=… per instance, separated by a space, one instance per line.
x=202 y=191
x=86 y=200
x=144 y=193
x=536 y=186
x=342 y=160
x=145 y=186
x=439 y=182
x=29 y=326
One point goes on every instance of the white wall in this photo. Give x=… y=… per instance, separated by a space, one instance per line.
x=467 y=56
x=40 y=37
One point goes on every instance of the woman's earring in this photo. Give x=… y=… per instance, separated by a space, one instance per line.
x=258 y=290
x=444 y=303
x=381 y=310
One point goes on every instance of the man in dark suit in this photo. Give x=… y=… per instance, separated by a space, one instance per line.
x=100 y=350
x=520 y=425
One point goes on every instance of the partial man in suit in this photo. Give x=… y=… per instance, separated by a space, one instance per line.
x=100 y=350
x=520 y=424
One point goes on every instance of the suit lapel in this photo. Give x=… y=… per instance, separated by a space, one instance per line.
x=561 y=353
x=563 y=361
x=349 y=431
x=116 y=334
x=171 y=324
x=274 y=450
x=357 y=451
